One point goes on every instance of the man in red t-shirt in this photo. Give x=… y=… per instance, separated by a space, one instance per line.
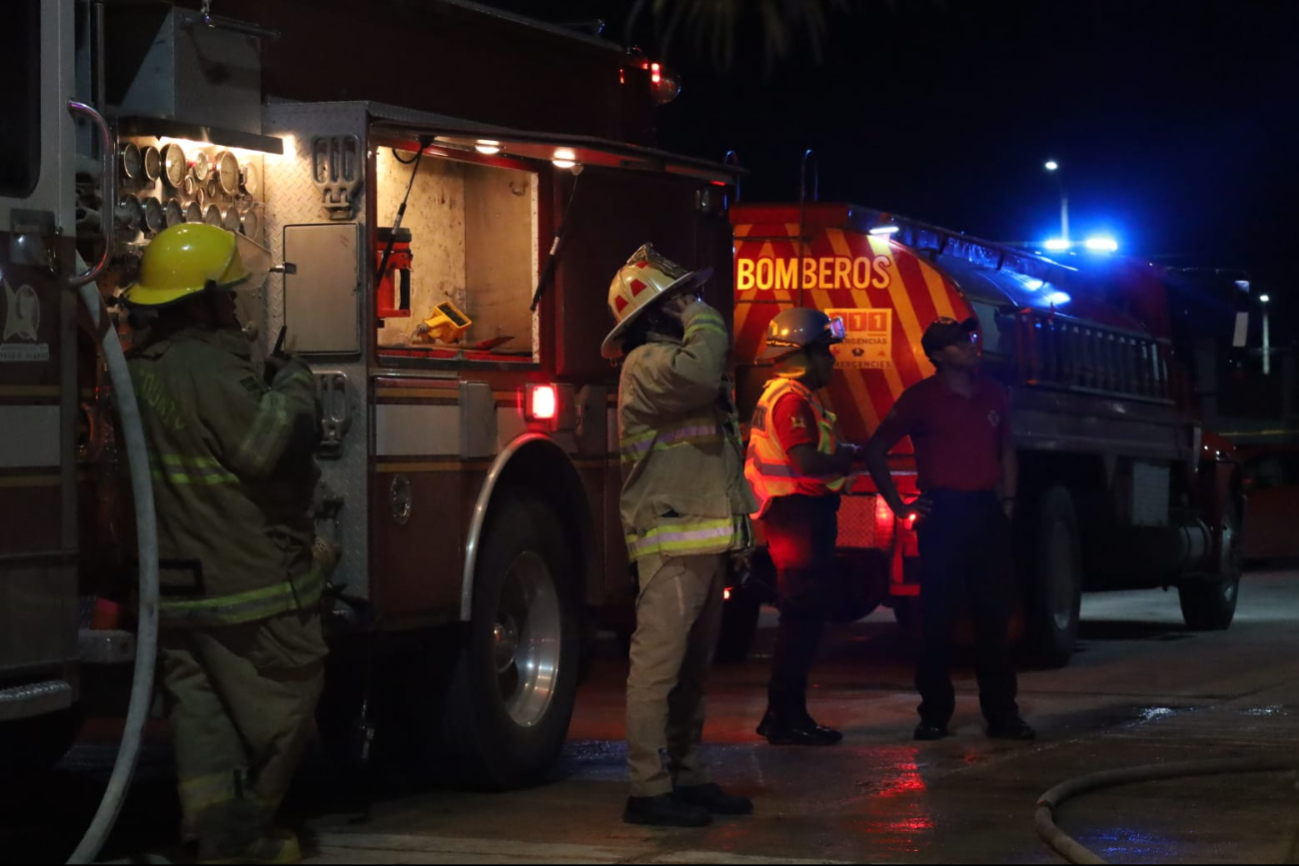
x=798 y=468
x=959 y=424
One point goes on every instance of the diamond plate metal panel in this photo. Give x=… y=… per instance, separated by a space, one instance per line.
x=37 y=699
x=857 y=527
x=293 y=199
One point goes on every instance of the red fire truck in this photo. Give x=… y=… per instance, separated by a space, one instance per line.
x=504 y=169
x=1121 y=487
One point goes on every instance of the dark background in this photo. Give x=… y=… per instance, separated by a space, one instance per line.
x=1175 y=123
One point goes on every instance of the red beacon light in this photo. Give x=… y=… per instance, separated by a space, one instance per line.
x=665 y=84
x=542 y=403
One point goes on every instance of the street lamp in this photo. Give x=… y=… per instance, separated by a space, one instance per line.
x=1054 y=168
x=1267 y=343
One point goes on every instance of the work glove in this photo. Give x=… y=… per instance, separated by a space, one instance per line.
x=741 y=567
x=281 y=367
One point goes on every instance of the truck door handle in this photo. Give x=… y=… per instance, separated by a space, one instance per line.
x=335 y=416
x=107 y=186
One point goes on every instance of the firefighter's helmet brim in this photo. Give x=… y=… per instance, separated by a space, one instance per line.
x=612 y=346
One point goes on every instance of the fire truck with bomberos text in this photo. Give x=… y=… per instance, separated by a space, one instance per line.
x=1120 y=485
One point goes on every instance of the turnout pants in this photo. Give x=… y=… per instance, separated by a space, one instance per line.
x=801 y=534
x=242 y=698
x=678 y=617
x=965 y=559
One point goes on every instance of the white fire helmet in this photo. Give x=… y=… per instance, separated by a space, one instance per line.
x=646 y=278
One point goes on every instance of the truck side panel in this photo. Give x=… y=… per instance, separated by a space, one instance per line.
x=613 y=213
x=293 y=199
x=38 y=376
x=521 y=86
x=38 y=556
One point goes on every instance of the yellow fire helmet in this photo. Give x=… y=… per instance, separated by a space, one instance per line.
x=187 y=259
x=646 y=278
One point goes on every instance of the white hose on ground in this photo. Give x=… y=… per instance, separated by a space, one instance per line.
x=1073 y=851
x=146 y=645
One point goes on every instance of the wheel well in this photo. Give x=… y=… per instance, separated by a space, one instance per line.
x=542 y=468
x=1039 y=471
x=1084 y=476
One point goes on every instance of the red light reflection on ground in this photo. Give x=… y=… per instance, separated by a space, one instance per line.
x=897 y=814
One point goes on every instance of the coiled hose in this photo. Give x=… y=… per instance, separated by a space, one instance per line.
x=1075 y=852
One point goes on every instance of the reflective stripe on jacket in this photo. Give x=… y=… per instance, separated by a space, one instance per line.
x=768 y=468
x=299 y=593
x=679 y=440
x=233 y=478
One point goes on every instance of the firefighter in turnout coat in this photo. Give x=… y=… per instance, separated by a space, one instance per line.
x=685 y=507
x=230 y=449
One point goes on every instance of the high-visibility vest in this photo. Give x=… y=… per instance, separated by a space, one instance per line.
x=768 y=468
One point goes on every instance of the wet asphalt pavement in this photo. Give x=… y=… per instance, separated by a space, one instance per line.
x=1141 y=690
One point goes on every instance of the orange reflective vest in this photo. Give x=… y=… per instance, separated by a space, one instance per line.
x=768 y=468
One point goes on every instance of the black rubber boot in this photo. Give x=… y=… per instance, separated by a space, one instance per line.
x=926 y=731
x=665 y=810
x=797 y=731
x=714 y=799
x=1013 y=728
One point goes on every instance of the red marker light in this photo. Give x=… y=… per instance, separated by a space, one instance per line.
x=882 y=510
x=726 y=594
x=656 y=73
x=543 y=403
x=883 y=518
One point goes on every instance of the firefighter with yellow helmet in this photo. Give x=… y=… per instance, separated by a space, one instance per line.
x=230 y=448
x=798 y=469
x=685 y=507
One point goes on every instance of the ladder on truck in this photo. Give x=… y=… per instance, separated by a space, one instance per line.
x=1052 y=349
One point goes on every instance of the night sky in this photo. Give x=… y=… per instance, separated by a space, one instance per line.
x=1175 y=123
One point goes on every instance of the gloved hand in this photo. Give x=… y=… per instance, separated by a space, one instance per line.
x=281 y=367
x=326 y=555
x=741 y=567
x=676 y=307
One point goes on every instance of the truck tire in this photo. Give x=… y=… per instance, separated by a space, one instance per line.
x=1211 y=605
x=739 y=626
x=514 y=684
x=36 y=744
x=741 y=612
x=906 y=612
x=1052 y=558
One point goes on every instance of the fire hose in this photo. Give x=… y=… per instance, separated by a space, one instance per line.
x=1075 y=852
x=146 y=647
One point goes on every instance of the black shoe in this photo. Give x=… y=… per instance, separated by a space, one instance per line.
x=713 y=798
x=1013 y=728
x=665 y=811
x=802 y=732
x=926 y=732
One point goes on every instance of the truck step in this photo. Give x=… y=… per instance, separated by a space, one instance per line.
x=106 y=646
x=34 y=699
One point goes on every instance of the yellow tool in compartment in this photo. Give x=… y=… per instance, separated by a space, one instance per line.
x=447 y=324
